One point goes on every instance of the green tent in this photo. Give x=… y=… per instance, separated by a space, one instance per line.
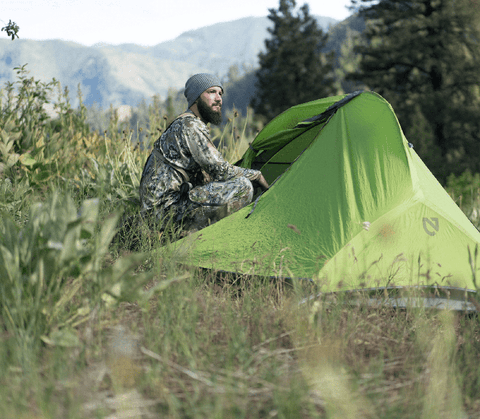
x=351 y=205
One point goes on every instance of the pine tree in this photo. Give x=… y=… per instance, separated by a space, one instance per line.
x=293 y=69
x=423 y=57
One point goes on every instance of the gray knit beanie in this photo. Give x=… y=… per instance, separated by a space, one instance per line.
x=197 y=84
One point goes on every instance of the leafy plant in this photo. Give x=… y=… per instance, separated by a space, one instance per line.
x=22 y=103
x=12 y=29
x=51 y=263
x=14 y=197
x=463 y=188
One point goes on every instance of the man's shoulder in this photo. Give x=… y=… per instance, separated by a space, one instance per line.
x=189 y=121
x=186 y=118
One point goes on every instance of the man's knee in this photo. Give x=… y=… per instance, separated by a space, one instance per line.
x=244 y=194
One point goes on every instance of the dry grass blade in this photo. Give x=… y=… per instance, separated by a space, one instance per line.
x=266 y=342
x=196 y=376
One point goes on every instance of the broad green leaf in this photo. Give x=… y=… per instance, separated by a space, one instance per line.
x=89 y=216
x=12 y=159
x=106 y=234
x=63 y=337
x=9 y=262
x=43 y=176
x=27 y=160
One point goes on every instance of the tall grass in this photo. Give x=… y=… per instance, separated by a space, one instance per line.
x=90 y=329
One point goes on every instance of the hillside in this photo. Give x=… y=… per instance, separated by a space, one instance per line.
x=126 y=73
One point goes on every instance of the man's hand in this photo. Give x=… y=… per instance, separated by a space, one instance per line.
x=263 y=183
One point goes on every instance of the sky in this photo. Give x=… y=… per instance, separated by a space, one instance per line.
x=143 y=22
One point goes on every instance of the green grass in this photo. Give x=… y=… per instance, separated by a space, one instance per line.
x=91 y=329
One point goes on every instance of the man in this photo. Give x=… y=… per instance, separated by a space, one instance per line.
x=185 y=179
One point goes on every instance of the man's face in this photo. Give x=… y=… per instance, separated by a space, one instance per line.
x=209 y=105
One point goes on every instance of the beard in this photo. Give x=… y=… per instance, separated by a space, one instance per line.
x=208 y=114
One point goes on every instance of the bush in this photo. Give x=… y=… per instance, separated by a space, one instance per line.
x=465 y=188
x=45 y=266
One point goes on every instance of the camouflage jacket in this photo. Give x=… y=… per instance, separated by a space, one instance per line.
x=185 y=144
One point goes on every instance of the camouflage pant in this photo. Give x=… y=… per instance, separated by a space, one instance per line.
x=204 y=205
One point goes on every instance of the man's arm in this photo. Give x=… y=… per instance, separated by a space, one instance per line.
x=262 y=182
x=210 y=159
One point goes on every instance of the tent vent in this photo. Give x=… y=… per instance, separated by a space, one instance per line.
x=318 y=119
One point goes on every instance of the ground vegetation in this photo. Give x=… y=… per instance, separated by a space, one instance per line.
x=91 y=329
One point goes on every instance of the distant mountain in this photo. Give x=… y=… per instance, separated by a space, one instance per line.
x=106 y=75
x=222 y=45
x=127 y=73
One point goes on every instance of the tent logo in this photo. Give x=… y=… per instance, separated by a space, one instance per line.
x=432 y=222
